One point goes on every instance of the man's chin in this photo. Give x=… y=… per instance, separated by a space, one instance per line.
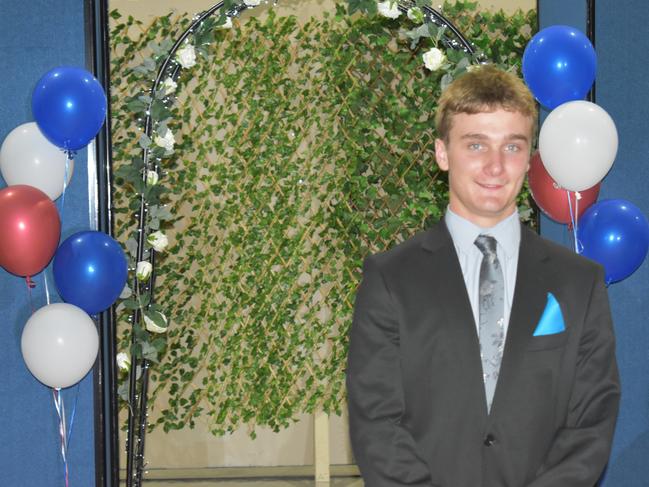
x=495 y=211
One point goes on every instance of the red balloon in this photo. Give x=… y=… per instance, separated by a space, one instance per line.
x=30 y=229
x=553 y=199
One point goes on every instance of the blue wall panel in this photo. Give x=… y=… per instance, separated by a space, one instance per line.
x=622 y=90
x=36 y=36
x=621 y=45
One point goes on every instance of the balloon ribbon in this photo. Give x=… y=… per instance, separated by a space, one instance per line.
x=30 y=285
x=65 y=434
x=47 y=289
x=60 y=410
x=574 y=220
x=70 y=155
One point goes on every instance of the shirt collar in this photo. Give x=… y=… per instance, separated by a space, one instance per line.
x=463 y=232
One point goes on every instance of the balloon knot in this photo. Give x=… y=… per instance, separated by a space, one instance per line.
x=30 y=284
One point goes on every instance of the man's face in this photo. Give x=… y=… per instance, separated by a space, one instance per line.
x=487 y=156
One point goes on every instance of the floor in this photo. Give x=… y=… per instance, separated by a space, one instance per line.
x=341 y=476
x=336 y=482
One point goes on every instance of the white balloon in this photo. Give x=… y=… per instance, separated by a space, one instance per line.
x=578 y=144
x=27 y=157
x=60 y=344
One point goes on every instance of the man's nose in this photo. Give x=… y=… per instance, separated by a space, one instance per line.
x=496 y=163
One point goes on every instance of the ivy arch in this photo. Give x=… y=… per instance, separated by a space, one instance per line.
x=302 y=203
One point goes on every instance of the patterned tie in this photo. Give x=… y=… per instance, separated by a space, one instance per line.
x=492 y=314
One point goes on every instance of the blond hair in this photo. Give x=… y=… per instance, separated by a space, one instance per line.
x=484 y=88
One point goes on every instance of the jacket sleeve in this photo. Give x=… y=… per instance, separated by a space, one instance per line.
x=580 y=449
x=385 y=451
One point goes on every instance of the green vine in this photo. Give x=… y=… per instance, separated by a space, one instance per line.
x=297 y=149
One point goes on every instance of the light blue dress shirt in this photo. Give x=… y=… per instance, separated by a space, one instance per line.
x=508 y=235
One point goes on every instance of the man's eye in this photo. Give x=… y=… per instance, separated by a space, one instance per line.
x=475 y=146
x=512 y=148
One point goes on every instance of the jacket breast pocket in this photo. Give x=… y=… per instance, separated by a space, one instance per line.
x=547 y=342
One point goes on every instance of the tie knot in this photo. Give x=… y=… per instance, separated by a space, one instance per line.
x=487 y=245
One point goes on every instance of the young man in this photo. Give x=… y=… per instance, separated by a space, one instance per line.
x=482 y=355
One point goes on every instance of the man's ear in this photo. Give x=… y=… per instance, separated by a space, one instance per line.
x=440 y=154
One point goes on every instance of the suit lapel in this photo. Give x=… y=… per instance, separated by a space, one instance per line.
x=450 y=290
x=449 y=287
x=527 y=308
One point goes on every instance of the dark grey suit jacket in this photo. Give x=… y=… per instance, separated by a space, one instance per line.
x=417 y=406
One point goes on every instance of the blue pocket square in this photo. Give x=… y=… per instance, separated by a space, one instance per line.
x=552 y=320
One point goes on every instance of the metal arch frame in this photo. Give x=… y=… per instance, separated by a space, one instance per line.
x=454 y=41
x=100 y=195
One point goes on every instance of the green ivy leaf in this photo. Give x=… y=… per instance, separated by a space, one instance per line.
x=136 y=105
x=131 y=304
x=144 y=141
x=149 y=352
x=159 y=110
x=148 y=66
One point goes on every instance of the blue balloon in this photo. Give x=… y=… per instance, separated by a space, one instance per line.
x=69 y=106
x=614 y=233
x=559 y=65
x=90 y=271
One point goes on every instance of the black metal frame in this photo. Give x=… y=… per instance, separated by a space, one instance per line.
x=105 y=391
x=590 y=32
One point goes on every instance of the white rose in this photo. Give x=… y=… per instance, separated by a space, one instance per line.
x=143 y=270
x=186 y=56
x=433 y=59
x=151 y=178
x=158 y=241
x=416 y=15
x=252 y=3
x=151 y=325
x=227 y=24
x=167 y=142
x=123 y=361
x=169 y=86
x=389 y=9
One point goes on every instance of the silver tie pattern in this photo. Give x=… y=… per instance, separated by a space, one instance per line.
x=492 y=314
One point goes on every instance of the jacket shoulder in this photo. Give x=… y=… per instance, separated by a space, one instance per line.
x=410 y=251
x=563 y=257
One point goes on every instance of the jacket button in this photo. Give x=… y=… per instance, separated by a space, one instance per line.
x=489 y=440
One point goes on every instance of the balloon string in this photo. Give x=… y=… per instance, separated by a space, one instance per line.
x=579 y=246
x=575 y=221
x=30 y=286
x=60 y=410
x=69 y=154
x=74 y=410
x=47 y=289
